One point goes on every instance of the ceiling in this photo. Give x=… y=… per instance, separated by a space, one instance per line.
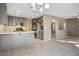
x=65 y=10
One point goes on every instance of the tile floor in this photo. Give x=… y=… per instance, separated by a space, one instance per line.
x=73 y=40
x=48 y=48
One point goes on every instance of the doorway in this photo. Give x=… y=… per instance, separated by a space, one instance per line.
x=53 y=30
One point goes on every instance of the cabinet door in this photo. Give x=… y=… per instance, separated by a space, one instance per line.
x=29 y=25
x=28 y=38
x=18 y=40
x=6 y=41
x=34 y=25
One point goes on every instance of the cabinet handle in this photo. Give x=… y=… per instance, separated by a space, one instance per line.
x=19 y=33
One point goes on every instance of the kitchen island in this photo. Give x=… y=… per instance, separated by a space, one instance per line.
x=9 y=40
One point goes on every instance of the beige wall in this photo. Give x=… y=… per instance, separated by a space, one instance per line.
x=60 y=33
x=47 y=20
x=47 y=27
x=73 y=27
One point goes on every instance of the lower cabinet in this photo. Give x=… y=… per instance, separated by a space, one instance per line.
x=40 y=35
x=16 y=40
x=6 y=41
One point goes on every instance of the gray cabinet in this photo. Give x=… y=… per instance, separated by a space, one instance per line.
x=3 y=14
x=38 y=26
x=18 y=40
x=12 y=20
x=40 y=34
x=6 y=41
x=15 y=40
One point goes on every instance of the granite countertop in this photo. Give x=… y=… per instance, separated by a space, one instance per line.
x=16 y=32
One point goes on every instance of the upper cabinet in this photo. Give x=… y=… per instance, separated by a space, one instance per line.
x=3 y=14
x=20 y=22
x=34 y=24
x=29 y=25
x=13 y=21
x=37 y=24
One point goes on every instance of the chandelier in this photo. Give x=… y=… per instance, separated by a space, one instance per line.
x=39 y=8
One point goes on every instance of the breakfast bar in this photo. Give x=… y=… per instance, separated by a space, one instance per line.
x=10 y=40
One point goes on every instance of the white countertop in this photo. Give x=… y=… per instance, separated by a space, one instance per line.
x=8 y=33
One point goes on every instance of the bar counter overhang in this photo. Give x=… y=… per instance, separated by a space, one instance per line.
x=10 y=40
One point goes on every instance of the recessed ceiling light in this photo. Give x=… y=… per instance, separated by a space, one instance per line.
x=77 y=16
x=53 y=20
x=19 y=11
x=17 y=14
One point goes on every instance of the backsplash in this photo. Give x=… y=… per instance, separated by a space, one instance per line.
x=1 y=28
x=10 y=28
